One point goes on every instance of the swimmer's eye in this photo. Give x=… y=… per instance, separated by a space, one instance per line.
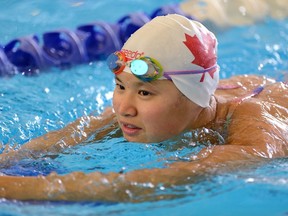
x=119 y=86
x=144 y=93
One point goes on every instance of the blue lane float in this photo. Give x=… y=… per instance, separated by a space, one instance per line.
x=64 y=48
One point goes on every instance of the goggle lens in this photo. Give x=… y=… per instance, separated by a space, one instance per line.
x=115 y=62
x=139 y=67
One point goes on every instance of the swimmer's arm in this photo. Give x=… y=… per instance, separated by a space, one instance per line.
x=71 y=135
x=134 y=186
x=142 y=185
x=138 y=185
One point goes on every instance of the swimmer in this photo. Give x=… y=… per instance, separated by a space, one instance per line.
x=167 y=83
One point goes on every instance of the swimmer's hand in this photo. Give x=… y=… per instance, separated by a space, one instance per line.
x=55 y=141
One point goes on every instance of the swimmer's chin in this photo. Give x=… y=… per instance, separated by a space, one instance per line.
x=136 y=140
x=144 y=140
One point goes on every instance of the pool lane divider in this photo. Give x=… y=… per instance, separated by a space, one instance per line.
x=63 y=48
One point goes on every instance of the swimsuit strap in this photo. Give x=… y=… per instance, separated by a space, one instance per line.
x=228 y=86
x=239 y=100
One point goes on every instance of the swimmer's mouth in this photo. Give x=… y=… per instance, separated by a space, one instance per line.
x=129 y=129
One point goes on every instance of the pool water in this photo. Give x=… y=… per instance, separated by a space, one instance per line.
x=32 y=106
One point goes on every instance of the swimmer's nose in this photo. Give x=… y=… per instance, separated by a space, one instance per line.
x=127 y=106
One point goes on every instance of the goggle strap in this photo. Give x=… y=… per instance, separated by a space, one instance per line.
x=121 y=68
x=169 y=73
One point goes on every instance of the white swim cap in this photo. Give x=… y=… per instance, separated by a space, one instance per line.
x=179 y=44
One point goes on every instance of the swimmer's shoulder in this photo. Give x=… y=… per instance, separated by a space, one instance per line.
x=250 y=118
x=275 y=94
x=239 y=86
x=258 y=122
x=271 y=93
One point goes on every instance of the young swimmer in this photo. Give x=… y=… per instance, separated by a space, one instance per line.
x=167 y=83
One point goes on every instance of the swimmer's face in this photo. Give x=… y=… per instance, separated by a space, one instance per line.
x=151 y=111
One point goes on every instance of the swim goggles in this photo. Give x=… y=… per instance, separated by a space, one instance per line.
x=146 y=68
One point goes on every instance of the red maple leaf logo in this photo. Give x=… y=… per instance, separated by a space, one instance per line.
x=204 y=53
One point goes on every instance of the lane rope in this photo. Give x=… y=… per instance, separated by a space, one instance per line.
x=63 y=48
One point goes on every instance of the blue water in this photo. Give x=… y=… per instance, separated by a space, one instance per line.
x=32 y=106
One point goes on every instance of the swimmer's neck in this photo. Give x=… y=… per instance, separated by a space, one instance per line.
x=216 y=114
x=208 y=115
x=225 y=107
